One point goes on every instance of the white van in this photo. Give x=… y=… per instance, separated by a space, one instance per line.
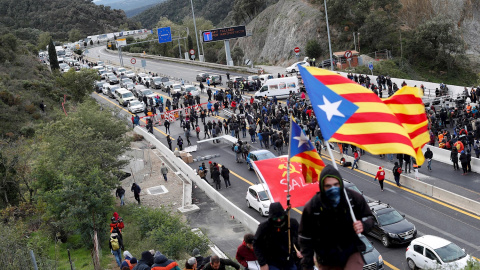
x=280 y=88
x=124 y=96
x=265 y=77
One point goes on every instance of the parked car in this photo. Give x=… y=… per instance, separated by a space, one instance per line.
x=258 y=155
x=156 y=82
x=202 y=77
x=130 y=74
x=105 y=88
x=125 y=81
x=215 y=80
x=373 y=259
x=294 y=68
x=137 y=88
x=135 y=106
x=176 y=88
x=112 y=79
x=146 y=92
x=111 y=90
x=390 y=226
x=98 y=86
x=123 y=96
x=433 y=252
x=257 y=198
x=164 y=85
x=189 y=90
x=129 y=87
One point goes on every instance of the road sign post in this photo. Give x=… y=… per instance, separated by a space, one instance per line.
x=296 y=50
x=133 y=61
x=348 y=55
x=164 y=35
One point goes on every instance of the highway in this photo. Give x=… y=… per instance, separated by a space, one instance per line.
x=430 y=216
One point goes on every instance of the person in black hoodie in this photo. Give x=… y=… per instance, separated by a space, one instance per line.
x=454 y=158
x=271 y=240
x=145 y=262
x=464 y=161
x=327 y=228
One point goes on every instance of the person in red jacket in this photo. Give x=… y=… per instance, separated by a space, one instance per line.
x=245 y=253
x=380 y=176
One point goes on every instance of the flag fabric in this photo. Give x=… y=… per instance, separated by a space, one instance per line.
x=273 y=172
x=407 y=105
x=350 y=113
x=303 y=152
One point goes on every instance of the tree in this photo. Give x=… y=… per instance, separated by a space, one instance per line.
x=52 y=56
x=190 y=43
x=43 y=40
x=78 y=85
x=237 y=55
x=313 y=49
x=75 y=35
x=8 y=45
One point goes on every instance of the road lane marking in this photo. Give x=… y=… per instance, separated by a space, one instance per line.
x=165 y=134
x=417 y=193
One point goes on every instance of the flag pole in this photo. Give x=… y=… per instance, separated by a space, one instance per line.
x=288 y=187
x=344 y=191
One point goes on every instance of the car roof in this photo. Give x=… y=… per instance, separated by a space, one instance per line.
x=431 y=241
x=259 y=187
x=256 y=152
x=188 y=85
x=376 y=206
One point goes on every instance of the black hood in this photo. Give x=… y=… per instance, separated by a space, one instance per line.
x=275 y=210
x=147 y=258
x=160 y=259
x=330 y=171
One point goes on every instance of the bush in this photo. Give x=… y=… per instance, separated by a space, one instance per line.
x=30 y=108
x=137 y=137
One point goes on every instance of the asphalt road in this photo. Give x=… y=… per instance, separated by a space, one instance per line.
x=429 y=215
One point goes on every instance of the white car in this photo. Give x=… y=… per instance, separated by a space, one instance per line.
x=130 y=74
x=176 y=87
x=190 y=90
x=432 y=252
x=135 y=106
x=294 y=68
x=257 y=198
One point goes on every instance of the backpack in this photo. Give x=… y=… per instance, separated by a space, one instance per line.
x=236 y=149
x=399 y=170
x=197 y=129
x=115 y=244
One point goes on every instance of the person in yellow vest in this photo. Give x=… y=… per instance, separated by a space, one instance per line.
x=440 y=137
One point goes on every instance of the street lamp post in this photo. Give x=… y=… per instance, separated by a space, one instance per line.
x=328 y=33
x=195 y=26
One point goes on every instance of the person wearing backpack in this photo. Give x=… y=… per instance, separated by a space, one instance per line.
x=397 y=170
x=236 y=149
x=380 y=176
x=115 y=244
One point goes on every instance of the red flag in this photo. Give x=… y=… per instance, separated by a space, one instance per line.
x=273 y=172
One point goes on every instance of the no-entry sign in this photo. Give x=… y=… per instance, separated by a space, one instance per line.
x=133 y=61
x=192 y=51
x=348 y=54
x=297 y=49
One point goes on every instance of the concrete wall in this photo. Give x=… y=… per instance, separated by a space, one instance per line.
x=223 y=202
x=419 y=186
x=443 y=155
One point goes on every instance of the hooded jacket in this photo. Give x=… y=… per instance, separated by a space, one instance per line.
x=271 y=239
x=245 y=254
x=145 y=262
x=428 y=154
x=328 y=231
x=162 y=263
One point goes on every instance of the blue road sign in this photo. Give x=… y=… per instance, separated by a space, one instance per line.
x=370 y=66
x=144 y=63
x=164 y=35
x=207 y=36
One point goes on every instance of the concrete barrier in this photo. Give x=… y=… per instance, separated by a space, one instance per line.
x=443 y=155
x=191 y=174
x=418 y=186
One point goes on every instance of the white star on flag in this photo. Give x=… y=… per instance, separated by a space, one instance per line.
x=331 y=109
x=302 y=139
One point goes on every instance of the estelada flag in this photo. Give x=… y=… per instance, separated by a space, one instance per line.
x=350 y=113
x=273 y=172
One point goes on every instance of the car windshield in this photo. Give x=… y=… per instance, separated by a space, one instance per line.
x=147 y=92
x=167 y=83
x=263 y=195
x=135 y=103
x=129 y=72
x=389 y=218
x=127 y=95
x=114 y=88
x=99 y=84
x=367 y=243
x=190 y=89
x=130 y=85
x=177 y=86
x=265 y=155
x=112 y=78
x=450 y=253
x=157 y=80
x=353 y=187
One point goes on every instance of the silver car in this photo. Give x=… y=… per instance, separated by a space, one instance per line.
x=135 y=106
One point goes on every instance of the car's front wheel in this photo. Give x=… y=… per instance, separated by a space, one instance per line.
x=293 y=71
x=248 y=204
x=385 y=240
x=411 y=264
x=261 y=212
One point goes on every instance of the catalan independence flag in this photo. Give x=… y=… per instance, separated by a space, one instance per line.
x=303 y=152
x=407 y=105
x=350 y=113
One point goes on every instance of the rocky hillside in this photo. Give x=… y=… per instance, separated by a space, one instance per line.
x=282 y=27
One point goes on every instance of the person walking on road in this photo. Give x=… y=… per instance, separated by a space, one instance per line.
x=428 y=156
x=226 y=176
x=169 y=141
x=356 y=156
x=408 y=164
x=380 y=176
x=180 y=142
x=400 y=159
x=136 y=191
x=216 y=178
x=397 y=170
x=164 y=171
x=454 y=158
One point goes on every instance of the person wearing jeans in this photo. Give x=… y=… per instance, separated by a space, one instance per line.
x=357 y=158
x=120 y=193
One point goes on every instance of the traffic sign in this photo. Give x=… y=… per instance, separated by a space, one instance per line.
x=348 y=54
x=370 y=66
x=191 y=51
x=133 y=61
x=297 y=49
x=248 y=62
x=192 y=56
x=144 y=63
x=164 y=35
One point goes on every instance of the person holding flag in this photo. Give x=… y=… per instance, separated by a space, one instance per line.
x=327 y=231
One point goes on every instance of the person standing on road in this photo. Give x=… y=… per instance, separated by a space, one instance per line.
x=400 y=160
x=380 y=176
x=169 y=141
x=209 y=93
x=429 y=155
x=187 y=135
x=464 y=161
x=167 y=126
x=226 y=176
x=180 y=142
x=120 y=193
x=397 y=170
x=327 y=230
x=454 y=158
x=408 y=164
x=216 y=178
x=469 y=159
x=164 y=171
x=136 y=191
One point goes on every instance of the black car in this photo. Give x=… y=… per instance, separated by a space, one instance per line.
x=352 y=186
x=390 y=226
x=202 y=77
x=373 y=259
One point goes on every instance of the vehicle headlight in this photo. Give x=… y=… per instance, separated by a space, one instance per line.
x=392 y=235
x=265 y=205
x=380 y=259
